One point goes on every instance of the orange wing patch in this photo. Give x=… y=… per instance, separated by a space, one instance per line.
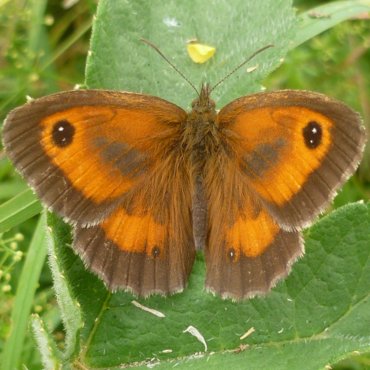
x=99 y=148
x=136 y=234
x=249 y=256
x=250 y=235
x=273 y=149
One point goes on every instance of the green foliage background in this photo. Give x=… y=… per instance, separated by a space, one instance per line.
x=45 y=48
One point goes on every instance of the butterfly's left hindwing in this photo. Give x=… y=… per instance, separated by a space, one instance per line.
x=146 y=245
x=247 y=251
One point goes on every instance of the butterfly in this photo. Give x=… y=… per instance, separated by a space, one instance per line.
x=146 y=184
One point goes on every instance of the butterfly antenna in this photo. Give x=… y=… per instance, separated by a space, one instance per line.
x=241 y=65
x=170 y=63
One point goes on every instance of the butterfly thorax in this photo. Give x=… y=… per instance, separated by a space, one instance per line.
x=201 y=124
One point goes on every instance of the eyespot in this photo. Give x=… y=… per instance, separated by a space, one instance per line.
x=312 y=134
x=63 y=133
x=156 y=252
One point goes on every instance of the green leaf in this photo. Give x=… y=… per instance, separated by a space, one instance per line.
x=24 y=298
x=18 y=209
x=278 y=356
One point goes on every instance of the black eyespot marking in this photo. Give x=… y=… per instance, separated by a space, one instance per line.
x=63 y=132
x=231 y=254
x=156 y=252
x=312 y=134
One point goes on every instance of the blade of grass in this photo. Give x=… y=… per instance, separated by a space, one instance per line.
x=18 y=209
x=321 y=18
x=10 y=189
x=36 y=35
x=65 y=45
x=68 y=21
x=24 y=297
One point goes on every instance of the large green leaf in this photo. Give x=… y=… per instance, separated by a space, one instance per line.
x=314 y=317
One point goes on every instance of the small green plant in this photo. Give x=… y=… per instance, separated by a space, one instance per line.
x=10 y=255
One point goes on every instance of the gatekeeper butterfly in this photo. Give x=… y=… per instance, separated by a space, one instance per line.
x=146 y=184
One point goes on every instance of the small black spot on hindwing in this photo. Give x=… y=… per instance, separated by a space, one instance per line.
x=312 y=134
x=63 y=132
x=156 y=252
x=231 y=254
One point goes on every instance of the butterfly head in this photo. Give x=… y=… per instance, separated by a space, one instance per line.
x=203 y=103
